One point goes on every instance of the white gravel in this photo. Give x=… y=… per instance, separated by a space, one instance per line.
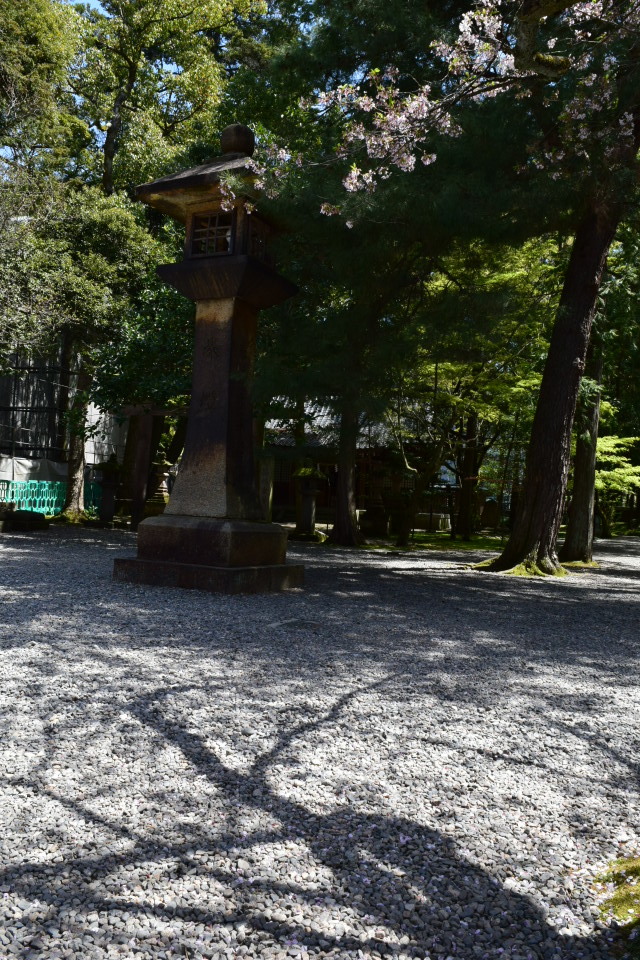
x=404 y=759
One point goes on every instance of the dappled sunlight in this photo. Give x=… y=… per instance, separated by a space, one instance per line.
x=435 y=761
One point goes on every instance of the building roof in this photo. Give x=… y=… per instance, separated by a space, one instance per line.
x=322 y=425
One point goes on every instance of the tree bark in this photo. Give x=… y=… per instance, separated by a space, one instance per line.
x=299 y=438
x=505 y=469
x=176 y=444
x=469 y=478
x=578 y=542
x=605 y=519
x=142 y=467
x=156 y=469
x=135 y=467
x=112 y=137
x=533 y=538
x=62 y=406
x=74 y=500
x=345 y=529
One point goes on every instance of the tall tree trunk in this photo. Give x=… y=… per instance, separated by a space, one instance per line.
x=505 y=470
x=156 y=467
x=345 y=529
x=578 y=542
x=110 y=147
x=176 y=444
x=299 y=438
x=136 y=465
x=423 y=478
x=533 y=538
x=603 y=515
x=74 y=500
x=62 y=405
x=469 y=478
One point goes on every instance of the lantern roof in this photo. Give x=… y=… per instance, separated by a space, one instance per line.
x=178 y=192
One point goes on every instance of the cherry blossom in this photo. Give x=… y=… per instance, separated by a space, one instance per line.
x=499 y=48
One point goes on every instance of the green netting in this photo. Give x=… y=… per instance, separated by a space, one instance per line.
x=45 y=496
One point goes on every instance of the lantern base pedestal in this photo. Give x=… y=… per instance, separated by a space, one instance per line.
x=210 y=554
x=194 y=576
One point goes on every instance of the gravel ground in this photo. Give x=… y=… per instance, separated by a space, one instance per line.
x=405 y=759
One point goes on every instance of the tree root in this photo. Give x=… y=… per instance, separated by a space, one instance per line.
x=528 y=568
x=70 y=516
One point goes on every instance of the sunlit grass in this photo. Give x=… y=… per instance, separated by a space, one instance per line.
x=440 y=541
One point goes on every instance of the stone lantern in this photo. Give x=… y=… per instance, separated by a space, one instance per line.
x=212 y=535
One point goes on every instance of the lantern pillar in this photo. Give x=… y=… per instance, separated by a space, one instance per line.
x=212 y=535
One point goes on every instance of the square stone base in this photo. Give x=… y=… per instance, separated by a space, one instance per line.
x=211 y=541
x=218 y=555
x=194 y=576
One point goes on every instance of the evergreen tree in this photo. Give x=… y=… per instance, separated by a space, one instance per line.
x=501 y=48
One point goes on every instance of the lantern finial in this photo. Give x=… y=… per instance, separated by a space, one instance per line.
x=237 y=138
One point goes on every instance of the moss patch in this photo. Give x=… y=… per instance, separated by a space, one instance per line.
x=624 y=902
x=70 y=517
x=581 y=565
x=316 y=537
x=526 y=569
x=483 y=565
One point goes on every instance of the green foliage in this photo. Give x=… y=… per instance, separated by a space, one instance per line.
x=309 y=472
x=150 y=76
x=78 y=264
x=149 y=357
x=430 y=300
x=38 y=39
x=90 y=256
x=23 y=300
x=615 y=471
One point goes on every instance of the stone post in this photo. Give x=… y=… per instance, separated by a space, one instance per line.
x=212 y=535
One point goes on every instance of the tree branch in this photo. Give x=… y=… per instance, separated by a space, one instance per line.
x=526 y=56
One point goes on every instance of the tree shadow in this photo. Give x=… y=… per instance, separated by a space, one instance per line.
x=347 y=872
x=345 y=879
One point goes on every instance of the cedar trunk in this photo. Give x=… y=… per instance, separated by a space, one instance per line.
x=136 y=466
x=74 y=499
x=66 y=360
x=533 y=538
x=578 y=542
x=299 y=438
x=345 y=529
x=469 y=479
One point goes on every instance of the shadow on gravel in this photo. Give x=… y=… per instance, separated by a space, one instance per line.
x=399 y=886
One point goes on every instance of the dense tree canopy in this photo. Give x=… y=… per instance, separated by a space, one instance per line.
x=459 y=183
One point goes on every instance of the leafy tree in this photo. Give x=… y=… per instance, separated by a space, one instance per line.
x=480 y=344
x=578 y=541
x=612 y=368
x=499 y=49
x=38 y=40
x=90 y=257
x=399 y=234
x=148 y=357
x=616 y=472
x=150 y=77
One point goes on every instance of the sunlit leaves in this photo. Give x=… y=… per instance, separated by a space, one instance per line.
x=150 y=69
x=38 y=39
